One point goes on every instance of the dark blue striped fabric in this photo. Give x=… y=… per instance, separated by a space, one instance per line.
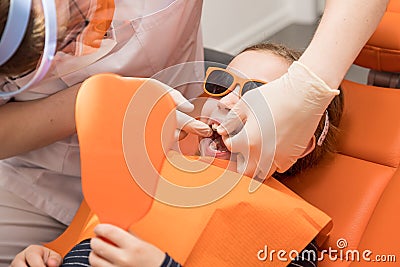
x=79 y=256
x=169 y=262
x=308 y=257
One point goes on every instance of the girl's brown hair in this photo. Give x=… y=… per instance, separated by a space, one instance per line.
x=335 y=111
x=31 y=48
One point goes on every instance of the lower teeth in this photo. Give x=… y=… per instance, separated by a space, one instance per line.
x=213 y=146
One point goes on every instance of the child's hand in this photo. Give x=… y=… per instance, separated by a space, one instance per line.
x=37 y=256
x=126 y=250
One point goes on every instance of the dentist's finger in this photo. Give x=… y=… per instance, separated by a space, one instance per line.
x=246 y=165
x=179 y=135
x=250 y=167
x=181 y=102
x=238 y=143
x=234 y=119
x=191 y=125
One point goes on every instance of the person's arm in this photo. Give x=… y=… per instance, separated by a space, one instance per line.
x=30 y=125
x=344 y=29
x=284 y=113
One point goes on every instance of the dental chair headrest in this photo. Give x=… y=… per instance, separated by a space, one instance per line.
x=382 y=51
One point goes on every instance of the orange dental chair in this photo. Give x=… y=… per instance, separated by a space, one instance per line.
x=359 y=187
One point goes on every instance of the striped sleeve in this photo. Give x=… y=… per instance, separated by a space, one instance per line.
x=169 y=262
x=308 y=257
x=79 y=255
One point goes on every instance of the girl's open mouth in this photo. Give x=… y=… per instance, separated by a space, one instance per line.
x=213 y=146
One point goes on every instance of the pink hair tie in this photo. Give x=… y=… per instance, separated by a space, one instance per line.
x=324 y=131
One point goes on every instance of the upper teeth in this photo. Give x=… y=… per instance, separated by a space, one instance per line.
x=213 y=146
x=214 y=126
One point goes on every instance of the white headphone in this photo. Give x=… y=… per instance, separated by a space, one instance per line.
x=14 y=32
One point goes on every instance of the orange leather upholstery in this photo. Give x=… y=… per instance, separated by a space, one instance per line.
x=349 y=185
x=382 y=51
x=381 y=233
x=359 y=186
x=369 y=133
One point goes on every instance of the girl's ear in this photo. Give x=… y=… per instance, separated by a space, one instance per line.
x=310 y=147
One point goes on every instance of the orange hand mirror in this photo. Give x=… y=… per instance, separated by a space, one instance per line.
x=103 y=119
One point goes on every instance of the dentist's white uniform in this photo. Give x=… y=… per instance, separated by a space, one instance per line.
x=45 y=183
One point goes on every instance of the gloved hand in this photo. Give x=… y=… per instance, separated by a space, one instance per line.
x=185 y=123
x=279 y=119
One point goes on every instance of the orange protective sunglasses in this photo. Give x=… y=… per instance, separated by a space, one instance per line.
x=220 y=82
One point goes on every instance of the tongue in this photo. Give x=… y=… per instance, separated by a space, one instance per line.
x=218 y=143
x=220 y=146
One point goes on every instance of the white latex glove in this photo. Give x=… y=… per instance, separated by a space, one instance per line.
x=279 y=119
x=185 y=123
